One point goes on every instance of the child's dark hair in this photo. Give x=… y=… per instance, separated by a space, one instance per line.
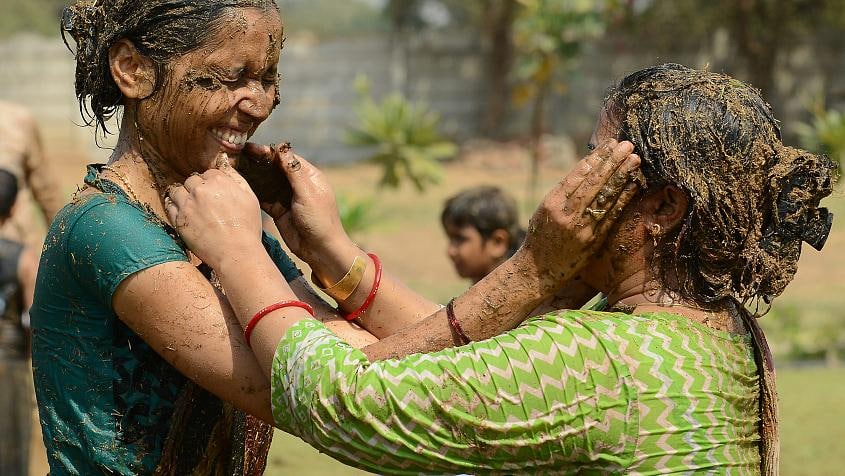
x=486 y=209
x=8 y=192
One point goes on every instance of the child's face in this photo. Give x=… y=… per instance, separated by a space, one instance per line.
x=473 y=256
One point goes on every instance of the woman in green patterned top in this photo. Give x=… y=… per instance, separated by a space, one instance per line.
x=671 y=375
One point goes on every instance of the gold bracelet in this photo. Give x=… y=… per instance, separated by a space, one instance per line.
x=347 y=285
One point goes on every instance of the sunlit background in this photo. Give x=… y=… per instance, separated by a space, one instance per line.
x=506 y=92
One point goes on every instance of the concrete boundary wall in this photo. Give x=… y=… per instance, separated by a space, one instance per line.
x=444 y=69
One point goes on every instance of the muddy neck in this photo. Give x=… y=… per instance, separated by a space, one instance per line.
x=639 y=287
x=633 y=288
x=640 y=291
x=135 y=152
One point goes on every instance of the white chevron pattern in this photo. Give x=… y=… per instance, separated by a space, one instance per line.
x=571 y=392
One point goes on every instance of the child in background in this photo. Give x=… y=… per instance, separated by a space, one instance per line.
x=482 y=224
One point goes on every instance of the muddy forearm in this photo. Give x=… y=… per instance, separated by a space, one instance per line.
x=252 y=282
x=496 y=304
x=394 y=308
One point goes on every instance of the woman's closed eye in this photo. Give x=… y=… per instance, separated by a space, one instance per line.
x=267 y=80
x=271 y=78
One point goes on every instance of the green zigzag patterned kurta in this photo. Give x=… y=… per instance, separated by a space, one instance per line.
x=569 y=392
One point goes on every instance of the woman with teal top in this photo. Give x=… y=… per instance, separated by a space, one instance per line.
x=140 y=362
x=671 y=375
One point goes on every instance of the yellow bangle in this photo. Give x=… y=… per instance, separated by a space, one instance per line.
x=344 y=288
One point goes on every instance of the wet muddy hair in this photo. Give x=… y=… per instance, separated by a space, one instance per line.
x=752 y=200
x=161 y=30
x=487 y=209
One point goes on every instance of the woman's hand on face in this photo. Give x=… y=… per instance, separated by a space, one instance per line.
x=311 y=227
x=573 y=219
x=217 y=215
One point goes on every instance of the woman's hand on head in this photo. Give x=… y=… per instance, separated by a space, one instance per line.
x=573 y=219
x=217 y=215
x=311 y=227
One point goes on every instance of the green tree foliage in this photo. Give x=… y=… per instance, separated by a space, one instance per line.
x=825 y=134
x=797 y=333
x=548 y=35
x=760 y=30
x=355 y=215
x=403 y=136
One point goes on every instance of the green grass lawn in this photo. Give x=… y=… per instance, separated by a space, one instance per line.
x=812 y=421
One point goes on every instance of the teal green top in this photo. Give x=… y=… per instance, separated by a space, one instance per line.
x=108 y=403
x=569 y=392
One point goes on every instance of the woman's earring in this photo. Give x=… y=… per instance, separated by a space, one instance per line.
x=655 y=232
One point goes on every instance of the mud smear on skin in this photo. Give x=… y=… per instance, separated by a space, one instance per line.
x=276 y=45
x=94 y=25
x=95 y=30
x=716 y=139
x=264 y=175
x=201 y=79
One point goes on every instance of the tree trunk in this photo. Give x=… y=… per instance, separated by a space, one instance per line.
x=399 y=61
x=759 y=31
x=538 y=126
x=499 y=16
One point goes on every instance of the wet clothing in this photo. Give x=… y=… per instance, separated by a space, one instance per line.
x=108 y=403
x=568 y=392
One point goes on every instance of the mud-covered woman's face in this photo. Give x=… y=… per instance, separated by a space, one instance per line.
x=215 y=97
x=621 y=251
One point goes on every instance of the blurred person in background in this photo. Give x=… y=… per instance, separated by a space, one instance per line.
x=22 y=154
x=18 y=266
x=482 y=225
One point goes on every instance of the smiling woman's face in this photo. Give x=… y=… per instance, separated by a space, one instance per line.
x=215 y=97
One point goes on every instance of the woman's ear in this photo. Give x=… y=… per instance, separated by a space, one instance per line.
x=133 y=72
x=497 y=243
x=666 y=207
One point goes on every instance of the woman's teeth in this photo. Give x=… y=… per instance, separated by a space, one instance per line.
x=232 y=137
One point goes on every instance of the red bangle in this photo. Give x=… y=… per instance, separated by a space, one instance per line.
x=267 y=310
x=367 y=302
x=457 y=330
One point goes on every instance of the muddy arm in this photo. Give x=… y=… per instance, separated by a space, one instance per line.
x=562 y=239
x=395 y=306
x=352 y=333
x=38 y=175
x=497 y=303
x=192 y=327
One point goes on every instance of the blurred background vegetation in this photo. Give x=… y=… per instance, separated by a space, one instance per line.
x=399 y=146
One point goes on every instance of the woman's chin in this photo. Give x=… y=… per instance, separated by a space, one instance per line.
x=216 y=160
